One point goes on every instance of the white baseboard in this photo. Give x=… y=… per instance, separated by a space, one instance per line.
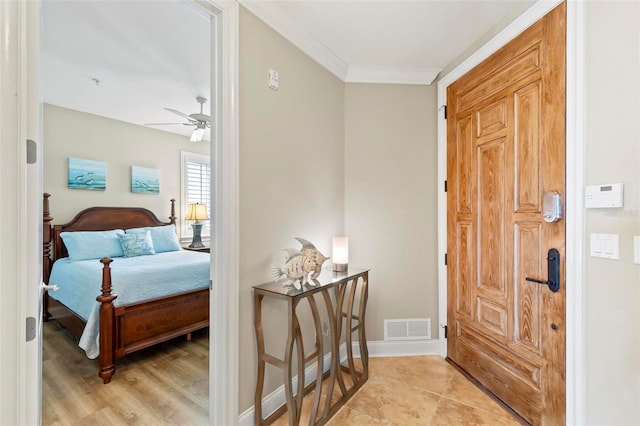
x=394 y=348
x=275 y=399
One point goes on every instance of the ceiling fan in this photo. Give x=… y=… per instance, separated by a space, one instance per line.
x=199 y=121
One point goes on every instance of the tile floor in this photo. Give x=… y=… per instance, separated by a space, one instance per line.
x=421 y=390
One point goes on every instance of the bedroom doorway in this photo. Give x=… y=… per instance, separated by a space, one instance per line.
x=222 y=148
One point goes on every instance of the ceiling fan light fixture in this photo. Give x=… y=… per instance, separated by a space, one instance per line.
x=197 y=134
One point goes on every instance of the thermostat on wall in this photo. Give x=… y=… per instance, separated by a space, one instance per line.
x=604 y=196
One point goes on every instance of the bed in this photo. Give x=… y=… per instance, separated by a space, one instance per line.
x=122 y=303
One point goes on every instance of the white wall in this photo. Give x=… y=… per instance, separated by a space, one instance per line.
x=612 y=154
x=69 y=133
x=391 y=199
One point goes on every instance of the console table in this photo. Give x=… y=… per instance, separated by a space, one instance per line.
x=345 y=318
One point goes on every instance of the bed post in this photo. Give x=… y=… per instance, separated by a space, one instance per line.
x=46 y=251
x=172 y=218
x=46 y=238
x=107 y=329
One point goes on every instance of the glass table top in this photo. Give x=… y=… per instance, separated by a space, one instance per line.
x=327 y=278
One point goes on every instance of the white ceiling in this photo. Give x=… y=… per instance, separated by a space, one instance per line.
x=146 y=56
x=385 y=41
x=128 y=60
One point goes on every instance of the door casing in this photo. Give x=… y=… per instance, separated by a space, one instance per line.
x=25 y=403
x=575 y=398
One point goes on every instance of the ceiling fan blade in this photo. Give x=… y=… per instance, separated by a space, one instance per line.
x=181 y=114
x=164 y=124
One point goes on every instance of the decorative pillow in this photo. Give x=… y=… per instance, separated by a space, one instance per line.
x=164 y=237
x=136 y=244
x=83 y=245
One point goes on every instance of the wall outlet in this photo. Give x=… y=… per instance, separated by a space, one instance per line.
x=325 y=329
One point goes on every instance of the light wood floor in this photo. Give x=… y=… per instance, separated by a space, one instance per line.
x=168 y=385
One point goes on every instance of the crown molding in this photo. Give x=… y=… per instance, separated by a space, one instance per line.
x=391 y=75
x=272 y=15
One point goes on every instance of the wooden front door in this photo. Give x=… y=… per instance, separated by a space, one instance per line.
x=505 y=150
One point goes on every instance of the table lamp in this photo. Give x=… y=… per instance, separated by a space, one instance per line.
x=340 y=254
x=196 y=212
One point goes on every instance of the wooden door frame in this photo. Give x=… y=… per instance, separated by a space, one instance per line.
x=575 y=398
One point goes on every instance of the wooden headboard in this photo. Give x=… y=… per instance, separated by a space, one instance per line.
x=95 y=219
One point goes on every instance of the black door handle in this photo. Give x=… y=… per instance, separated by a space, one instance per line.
x=553 y=271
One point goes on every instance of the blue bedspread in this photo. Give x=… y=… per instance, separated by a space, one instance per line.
x=133 y=279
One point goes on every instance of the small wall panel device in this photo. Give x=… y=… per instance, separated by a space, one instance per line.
x=604 y=196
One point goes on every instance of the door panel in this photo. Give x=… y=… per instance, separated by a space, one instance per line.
x=505 y=149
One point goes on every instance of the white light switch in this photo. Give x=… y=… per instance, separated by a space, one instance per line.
x=636 y=249
x=608 y=246
x=605 y=245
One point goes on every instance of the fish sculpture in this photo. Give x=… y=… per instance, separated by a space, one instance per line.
x=299 y=264
x=309 y=250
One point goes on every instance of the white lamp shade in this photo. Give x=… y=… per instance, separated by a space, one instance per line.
x=197 y=212
x=340 y=253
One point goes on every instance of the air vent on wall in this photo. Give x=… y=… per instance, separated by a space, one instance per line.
x=407 y=329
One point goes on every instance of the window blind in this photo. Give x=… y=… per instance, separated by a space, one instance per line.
x=198 y=185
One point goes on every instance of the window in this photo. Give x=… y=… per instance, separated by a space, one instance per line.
x=196 y=188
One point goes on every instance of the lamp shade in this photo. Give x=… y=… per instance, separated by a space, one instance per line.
x=340 y=253
x=197 y=212
x=197 y=134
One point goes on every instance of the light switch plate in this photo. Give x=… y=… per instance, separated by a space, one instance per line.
x=605 y=245
x=636 y=249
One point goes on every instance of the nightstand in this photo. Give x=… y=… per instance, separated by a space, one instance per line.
x=202 y=249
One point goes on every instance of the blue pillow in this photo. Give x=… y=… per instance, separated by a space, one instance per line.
x=164 y=237
x=83 y=245
x=136 y=244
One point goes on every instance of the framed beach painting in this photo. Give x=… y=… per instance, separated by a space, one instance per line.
x=87 y=174
x=145 y=180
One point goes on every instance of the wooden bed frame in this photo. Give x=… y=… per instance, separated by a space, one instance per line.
x=127 y=328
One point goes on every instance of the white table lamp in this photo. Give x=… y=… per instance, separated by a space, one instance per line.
x=340 y=254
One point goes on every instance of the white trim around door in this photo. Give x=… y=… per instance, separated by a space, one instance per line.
x=223 y=341
x=574 y=182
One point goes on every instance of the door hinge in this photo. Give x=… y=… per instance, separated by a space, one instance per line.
x=445 y=259
x=445 y=186
x=31 y=329
x=210 y=284
x=445 y=112
x=32 y=152
x=446 y=334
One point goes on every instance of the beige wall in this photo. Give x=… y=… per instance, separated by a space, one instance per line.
x=291 y=175
x=69 y=133
x=612 y=154
x=391 y=199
